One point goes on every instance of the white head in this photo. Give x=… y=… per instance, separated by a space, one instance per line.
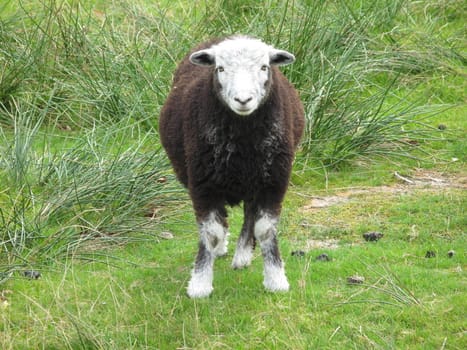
x=242 y=70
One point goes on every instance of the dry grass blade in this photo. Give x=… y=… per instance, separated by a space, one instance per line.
x=387 y=284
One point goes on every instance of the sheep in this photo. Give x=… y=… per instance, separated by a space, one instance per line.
x=230 y=127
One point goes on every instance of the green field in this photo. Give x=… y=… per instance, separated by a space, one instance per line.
x=90 y=206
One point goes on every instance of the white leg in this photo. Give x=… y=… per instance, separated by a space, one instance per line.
x=243 y=255
x=245 y=245
x=266 y=234
x=200 y=285
x=221 y=247
x=212 y=243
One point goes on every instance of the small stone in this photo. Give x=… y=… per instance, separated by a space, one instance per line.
x=356 y=279
x=323 y=257
x=451 y=253
x=166 y=235
x=162 y=180
x=430 y=254
x=372 y=236
x=298 y=253
x=34 y=275
x=441 y=127
x=3 y=302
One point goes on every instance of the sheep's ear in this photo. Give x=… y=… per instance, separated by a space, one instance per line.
x=203 y=58
x=280 y=57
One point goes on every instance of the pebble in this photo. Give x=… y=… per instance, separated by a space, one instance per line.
x=356 y=279
x=166 y=235
x=162 y=180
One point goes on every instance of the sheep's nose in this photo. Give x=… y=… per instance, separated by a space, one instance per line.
x=243 y=101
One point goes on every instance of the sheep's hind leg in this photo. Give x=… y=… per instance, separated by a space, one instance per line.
x=220 y=248
x=212 y=242
x=246 y=241
x=265 y=230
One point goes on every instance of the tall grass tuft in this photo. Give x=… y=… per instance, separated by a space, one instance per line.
x=388 y=286
x=96 y=67
x=353 y=83
x=93 y=187
x=353 y=62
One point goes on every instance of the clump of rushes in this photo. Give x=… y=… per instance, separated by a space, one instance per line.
x=353 y=62
x=98 y=187
x=350 y=82
x=92 y=66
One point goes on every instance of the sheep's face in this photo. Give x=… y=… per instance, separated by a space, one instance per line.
x=242 y=71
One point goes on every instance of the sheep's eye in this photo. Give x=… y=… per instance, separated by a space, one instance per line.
x=220 y=69
x=264 y=67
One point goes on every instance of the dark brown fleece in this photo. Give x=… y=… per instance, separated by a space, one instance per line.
x=223 y=158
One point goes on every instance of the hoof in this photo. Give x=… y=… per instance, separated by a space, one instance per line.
x=277 y=286
x=200 y=285
x=242 y=258
x=275 y=279
x=195 y=292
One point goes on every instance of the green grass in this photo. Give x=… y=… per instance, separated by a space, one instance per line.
x=86 y=193
x=141 y=303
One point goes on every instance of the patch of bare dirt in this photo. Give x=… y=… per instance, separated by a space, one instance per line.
x=323 y=202
x=328 y=243
x=429 y=178
x=420 y=180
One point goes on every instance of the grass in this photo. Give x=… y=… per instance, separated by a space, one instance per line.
x=86 y=193
x=143 y=305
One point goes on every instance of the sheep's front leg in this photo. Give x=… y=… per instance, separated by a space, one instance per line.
x=212 y=243
x=265 y=231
